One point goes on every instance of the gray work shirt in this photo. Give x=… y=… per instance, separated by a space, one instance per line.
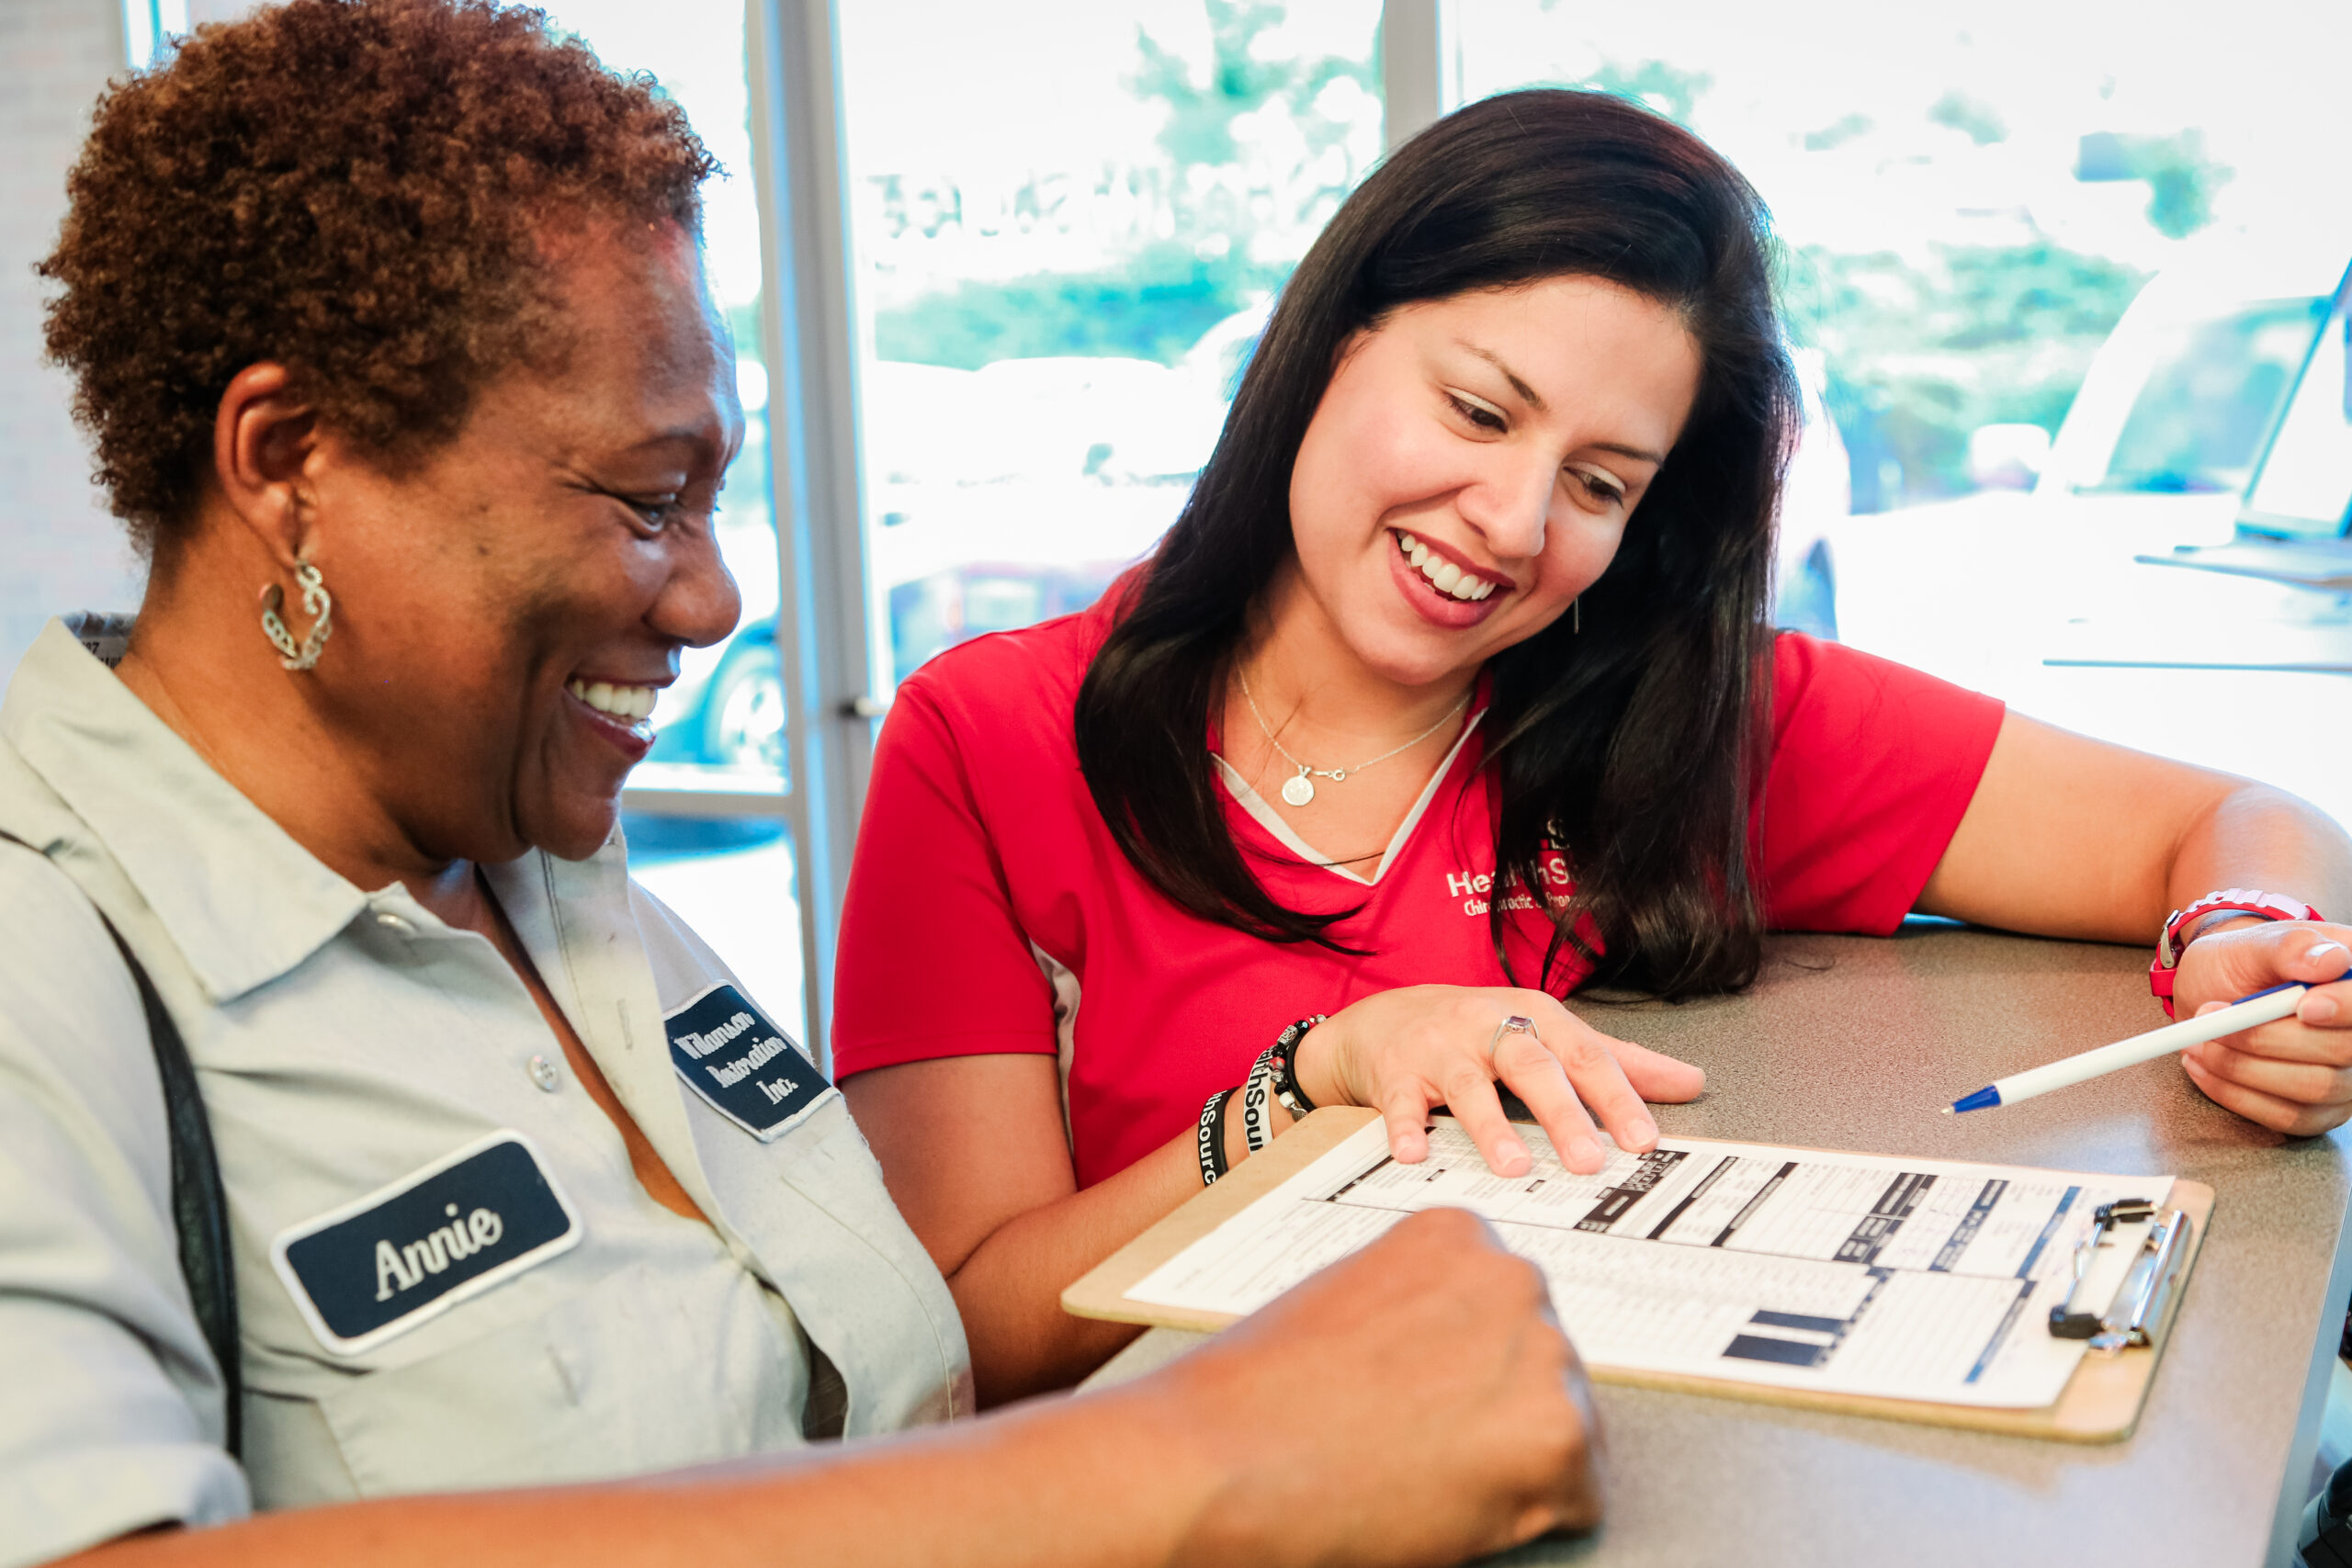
x=385 y=1096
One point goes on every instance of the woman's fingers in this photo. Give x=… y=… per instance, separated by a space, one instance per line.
x=1592 y=1070
x=2290 y=1039
x=2233 y=964
x=1407 y=1112
x=1470 y=1097
x=1408 y=1049
x=2327 y=1007
x=2298 y=1080
x=1535 y=1076
x=2264 y=1109
x=2323 y=958
x=1666 y=1079
x=2293 y=1076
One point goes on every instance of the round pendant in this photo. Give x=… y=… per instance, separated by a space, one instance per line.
x=1298 y=789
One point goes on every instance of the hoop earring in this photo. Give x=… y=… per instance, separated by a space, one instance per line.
x=315 y=602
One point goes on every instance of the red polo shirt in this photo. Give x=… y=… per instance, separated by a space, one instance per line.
x=990 y=910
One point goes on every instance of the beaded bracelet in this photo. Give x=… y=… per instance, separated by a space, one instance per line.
x=1285 y=1051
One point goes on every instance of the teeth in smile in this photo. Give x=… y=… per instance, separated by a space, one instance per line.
x=1442 y=574
x=630 y=704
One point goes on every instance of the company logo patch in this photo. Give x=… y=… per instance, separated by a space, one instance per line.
x=377 y=1266
x=748 y=1069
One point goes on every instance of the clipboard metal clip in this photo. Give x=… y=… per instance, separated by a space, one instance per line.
x=2140 y=1303
x=2066 y=1320
x=2148 y=1287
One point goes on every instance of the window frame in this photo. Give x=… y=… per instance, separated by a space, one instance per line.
x=832 y=621
x=817 y=494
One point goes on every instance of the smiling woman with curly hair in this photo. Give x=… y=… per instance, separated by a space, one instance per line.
x=365 y=1131
x=383 y=237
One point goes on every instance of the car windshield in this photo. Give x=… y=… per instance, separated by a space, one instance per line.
x=2216 y=387
x=2306 y=482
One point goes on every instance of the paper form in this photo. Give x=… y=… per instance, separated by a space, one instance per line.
x=1866 y=1274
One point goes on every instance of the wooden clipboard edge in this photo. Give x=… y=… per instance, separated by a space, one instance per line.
x=2101 y=1403
x=2104 y=1398
x=1103 y=1292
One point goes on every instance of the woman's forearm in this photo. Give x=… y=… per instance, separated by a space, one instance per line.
x=2262 y=837
x=2070 y=837
x=976 y=1157
x=1007 y=1491
x=1022 y=1343
x=1009 y=1288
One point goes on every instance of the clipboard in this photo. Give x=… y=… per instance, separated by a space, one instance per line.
x=2101 y=1403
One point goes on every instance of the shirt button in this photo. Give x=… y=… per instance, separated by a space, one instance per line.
x=543 y=1073
x=395 y=925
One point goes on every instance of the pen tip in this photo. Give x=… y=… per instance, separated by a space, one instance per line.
x=1947 y=1110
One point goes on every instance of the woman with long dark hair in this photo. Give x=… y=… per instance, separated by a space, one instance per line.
x=376 y=1157
x=1452 y=689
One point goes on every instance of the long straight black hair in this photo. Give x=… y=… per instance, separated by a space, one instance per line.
x=1634 y=743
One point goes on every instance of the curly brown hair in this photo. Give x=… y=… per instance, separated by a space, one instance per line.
x=358 y=190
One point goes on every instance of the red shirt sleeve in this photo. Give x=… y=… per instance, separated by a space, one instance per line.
x=1873 y=766
x=931 y=961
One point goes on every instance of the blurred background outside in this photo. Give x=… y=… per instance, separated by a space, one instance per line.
x=2049 y=270
x=720 y=728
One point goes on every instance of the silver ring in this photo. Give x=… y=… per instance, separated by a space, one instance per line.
x=1514 y=1024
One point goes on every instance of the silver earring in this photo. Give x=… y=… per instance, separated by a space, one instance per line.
x=315 y=602
x=1575 y=615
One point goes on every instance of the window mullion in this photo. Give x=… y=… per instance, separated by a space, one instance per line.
x=1416 y=65
x=808 y=341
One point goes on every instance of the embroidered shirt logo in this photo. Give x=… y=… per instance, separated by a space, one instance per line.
x=745 y=1067
x=379 y=1266
x=1473 y=887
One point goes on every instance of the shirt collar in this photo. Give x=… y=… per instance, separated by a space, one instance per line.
x=241 y=900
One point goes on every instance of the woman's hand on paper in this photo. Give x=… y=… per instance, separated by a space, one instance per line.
x=1407 y=1050
x=2294 y=1076
x=1414 y=1402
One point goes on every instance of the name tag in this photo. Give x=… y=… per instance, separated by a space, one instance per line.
x=405 y=1254
x=747 y=1068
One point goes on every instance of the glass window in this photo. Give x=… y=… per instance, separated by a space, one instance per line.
x=1067 y=234
x=2052 y=278
x=706 y=825
x=2198 y=424
x=2306 y=485
x=1971 y=195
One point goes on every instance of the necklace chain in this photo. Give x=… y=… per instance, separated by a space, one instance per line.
x=1298 y=791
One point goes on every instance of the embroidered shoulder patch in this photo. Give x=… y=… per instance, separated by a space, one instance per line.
x=748 y=1069
x=380 y=1265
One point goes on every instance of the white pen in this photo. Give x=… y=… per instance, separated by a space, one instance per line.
x=2263 y=1007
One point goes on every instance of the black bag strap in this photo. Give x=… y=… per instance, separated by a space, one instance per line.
x=199 y=1207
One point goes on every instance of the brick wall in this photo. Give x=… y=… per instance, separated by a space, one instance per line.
x=64 y=550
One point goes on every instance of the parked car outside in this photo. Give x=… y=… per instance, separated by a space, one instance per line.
x=1816 y=495
x=2155 y=451
x=726 y=708
x=734 y=717
x=1017 y=491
